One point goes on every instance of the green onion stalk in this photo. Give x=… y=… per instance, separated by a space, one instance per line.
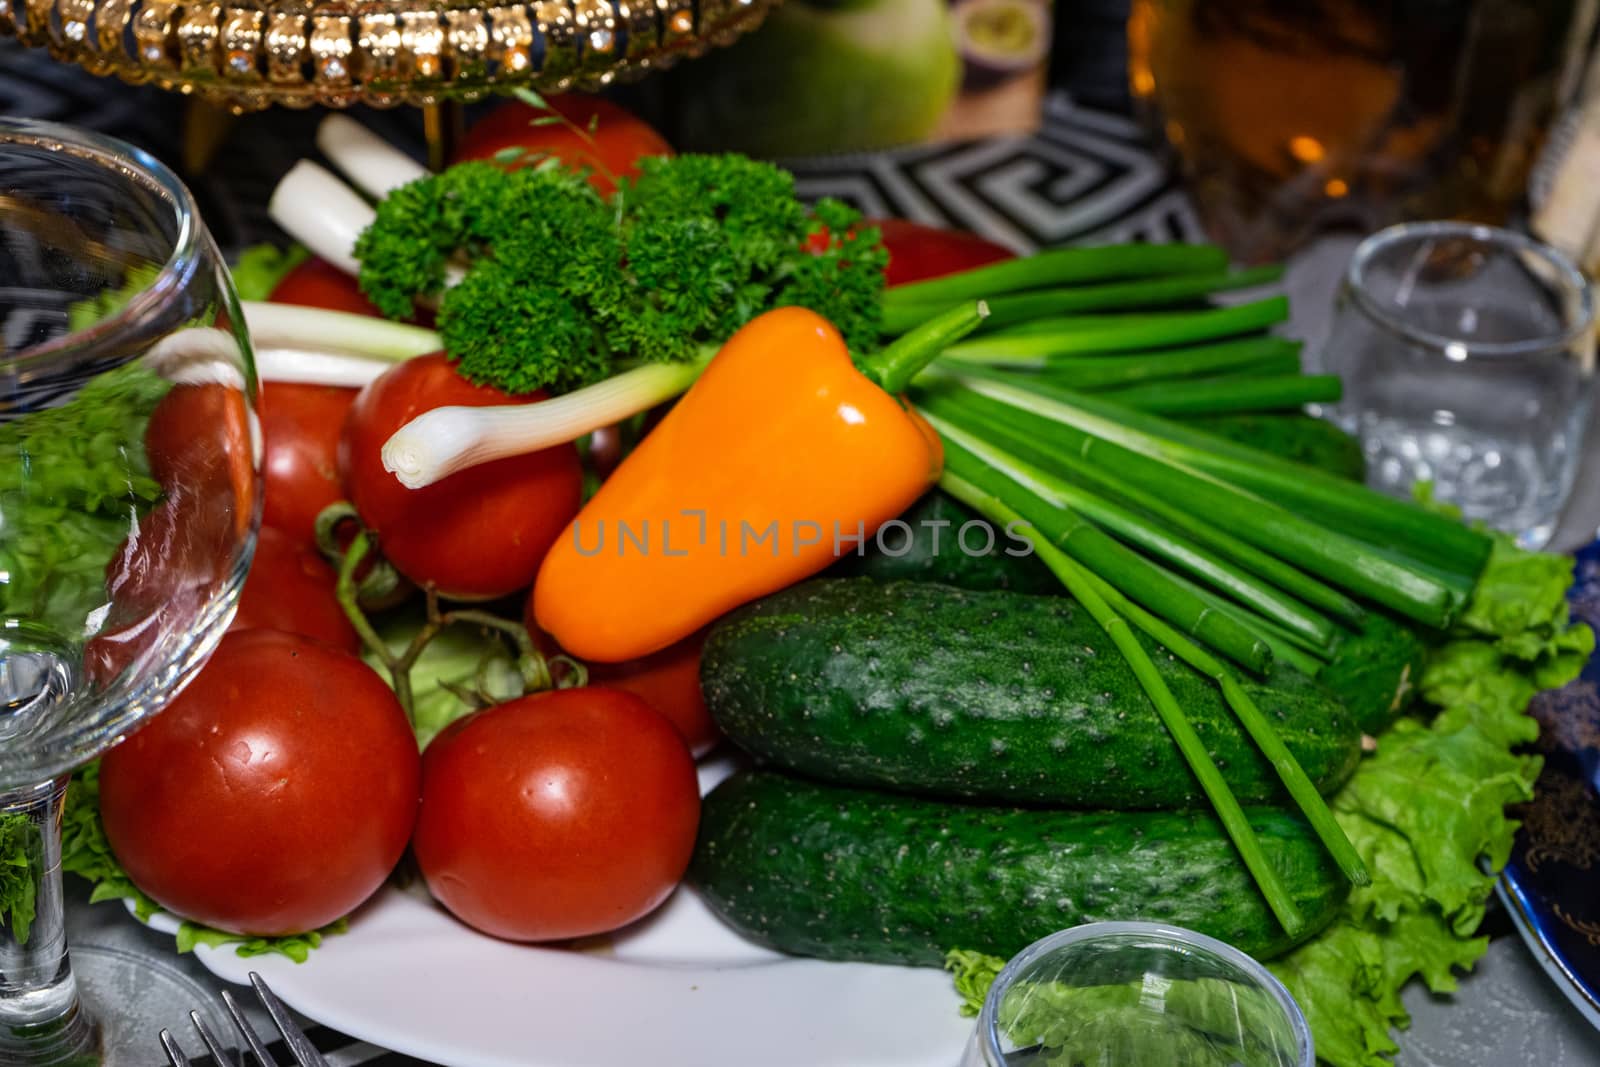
x=1355 y=566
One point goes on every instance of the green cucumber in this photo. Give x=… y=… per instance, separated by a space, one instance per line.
x=1301 y=438
x=998 y=696
x=854 y=874
x=932 y=552
x=1375 y=670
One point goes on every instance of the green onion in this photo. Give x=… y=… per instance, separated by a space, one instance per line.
x=1253 y=355
x=1034 y=344
x=1293 y=776
x=1335 y=557
x=1294 y=649
x=895 y=365
x=1142 y=580
x=1083 y=588
x=1282 y=575
x=899 y=315
x=1062 y=266
x=1360 y=512
x=1020 y=459
x=1209 y=396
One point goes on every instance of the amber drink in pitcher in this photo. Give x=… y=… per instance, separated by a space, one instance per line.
x=1289 y=116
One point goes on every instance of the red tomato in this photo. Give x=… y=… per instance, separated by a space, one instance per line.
x=183 y=544
x=316 y=283
x=917 y=252
x=134 y=634
x=198 y=443
x=619 y=138
x=300 y=427
x=478 y=534
x=162 y=577
x=291 y=587
x=669 y=681
x=272 y=796
x=558 y=815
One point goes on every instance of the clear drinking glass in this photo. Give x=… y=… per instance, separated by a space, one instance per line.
x=1134 y=994
x=129 y=501
x=1468 y=359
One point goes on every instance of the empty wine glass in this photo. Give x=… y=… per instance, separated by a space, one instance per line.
x=129 y=501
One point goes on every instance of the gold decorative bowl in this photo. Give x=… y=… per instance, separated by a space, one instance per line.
x=247 y=55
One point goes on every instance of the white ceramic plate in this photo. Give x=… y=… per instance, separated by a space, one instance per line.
x=678 y=990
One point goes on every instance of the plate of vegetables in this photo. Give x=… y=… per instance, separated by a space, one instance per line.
x=1022 y=595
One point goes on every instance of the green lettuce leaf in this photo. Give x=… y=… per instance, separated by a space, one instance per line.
x=72 y=480
x=260 y=268
x=1200 y=1022
x=296 y=947
x=449 y=670
x=85 y=851
x=1520 y=594
x=85 y=313
x=973 y=973
x=19 y=849
x=1427 y=811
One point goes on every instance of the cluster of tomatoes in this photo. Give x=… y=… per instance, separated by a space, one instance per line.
x=281 y=788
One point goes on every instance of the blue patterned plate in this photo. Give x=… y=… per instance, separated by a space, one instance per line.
x=1552 y=884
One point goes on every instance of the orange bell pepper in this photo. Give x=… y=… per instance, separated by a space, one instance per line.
x=780 y=457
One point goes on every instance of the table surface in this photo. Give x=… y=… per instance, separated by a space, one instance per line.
x=1086 y=177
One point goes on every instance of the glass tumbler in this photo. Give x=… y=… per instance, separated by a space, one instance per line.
x=1135 y=994
x=1468 y=359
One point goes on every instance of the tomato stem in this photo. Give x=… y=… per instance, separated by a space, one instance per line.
x=382 y=585
x=349 y=596
x=536 y=673
x=534 y=667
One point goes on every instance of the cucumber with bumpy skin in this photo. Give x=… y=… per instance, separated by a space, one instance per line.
x=854 y=874
x=1375 y=670
x=999 y=696
x=932 y=551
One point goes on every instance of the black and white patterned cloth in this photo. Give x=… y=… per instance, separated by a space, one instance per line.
x=1087 y=176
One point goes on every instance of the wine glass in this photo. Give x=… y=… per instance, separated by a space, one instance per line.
x=129 y=501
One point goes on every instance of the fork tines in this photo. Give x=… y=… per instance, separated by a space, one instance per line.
x=294 y=1039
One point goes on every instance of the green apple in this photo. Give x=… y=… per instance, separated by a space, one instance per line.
x=841 y=76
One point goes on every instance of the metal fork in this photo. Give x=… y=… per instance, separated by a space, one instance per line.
x=304 y=1053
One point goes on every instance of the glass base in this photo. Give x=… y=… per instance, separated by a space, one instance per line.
x=125 y=1001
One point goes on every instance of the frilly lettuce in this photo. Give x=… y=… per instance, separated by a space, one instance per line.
x=1199 y=1022
x=1427 y=811
x=18 y=888
x=259 y=269
x=295 y=946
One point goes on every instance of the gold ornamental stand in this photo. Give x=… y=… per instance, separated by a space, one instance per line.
x=248 y=54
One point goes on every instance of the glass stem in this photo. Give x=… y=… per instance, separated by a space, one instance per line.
x=41 y=1021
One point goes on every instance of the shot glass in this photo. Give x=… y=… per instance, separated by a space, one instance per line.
x=1468 y=359
x=1133 y=994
